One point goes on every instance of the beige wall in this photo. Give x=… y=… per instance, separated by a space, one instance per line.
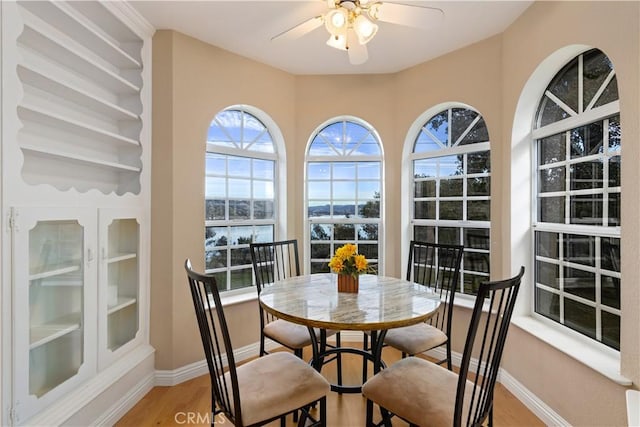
x=193 y=81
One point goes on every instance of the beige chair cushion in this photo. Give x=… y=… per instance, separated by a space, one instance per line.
x=417 y=390
x=276 y=384
x=291 y=334
x=415 y=339
x=287 y=333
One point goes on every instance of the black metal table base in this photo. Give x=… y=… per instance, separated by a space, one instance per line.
x=320 y=353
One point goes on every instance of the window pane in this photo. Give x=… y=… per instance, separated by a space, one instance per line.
x=611 y=330
x=368 y=232
x=263 y=209
x=239 y=166
x=450 y=187
x=614 y=209
x=263 y=233
x=565 y=85
x=427 y=168
x=424 y=210
x=319 y=267
x=318 y=190
x=552 y=179
x=241 y=235
x=449 y=235
x=451 y=210
x=215 y=188
x=345 y=210
x=215 y=209
x=580 y=317
x=319 y=209
x=472 y=282
x=369 y=170
x=450 y=165
x=552 y=149
x=239 y=188
x=215 y=164
x=478 y=186
x=425 y=143
x=368 y=189
x=424 y=234
x=476 y=261
x=478 y=210
x=547 y=274
x=610 y=254
x=579 y=282
x=614 y=133
x=438 y=126
x=548 y=244
x=586 y=140
x=241 y=256
x=238 y=209
x=548 y=304
x=476 y=238
x=369 y=251
x=610 y=94
x=241 y=278
x=370 y=209
x=263 y=190
x=580 y=249
x=425 y=189
x=586 y=175
x=344 y=189
x=344 y=170
x=596 y=69
x=586 y=209
x=318 y=170
x=320 y=251
x=479 y=162
x=344 y=232
x=216 y=236
x=551 y=209
x=320 y=232
x=478 y=133
x=610 y=291
x=614 y=171
x=550 y=112
x=263 y=169
x=461 y=119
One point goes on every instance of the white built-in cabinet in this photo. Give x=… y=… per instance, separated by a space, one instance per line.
x=75 y=152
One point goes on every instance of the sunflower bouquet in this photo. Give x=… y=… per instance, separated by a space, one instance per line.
x=347 y=261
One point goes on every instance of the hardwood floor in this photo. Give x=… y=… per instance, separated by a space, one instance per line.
x=188 y=404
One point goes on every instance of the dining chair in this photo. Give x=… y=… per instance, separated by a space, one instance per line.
x=426 y=394
x=438 y=267
x=260 y=391
x=274 y=261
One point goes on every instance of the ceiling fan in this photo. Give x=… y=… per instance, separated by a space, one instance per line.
x=352 y=23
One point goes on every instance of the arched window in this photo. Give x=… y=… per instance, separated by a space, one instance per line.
x=242 y=195
x=344 y=192
x=450 y=202
x=576 y=225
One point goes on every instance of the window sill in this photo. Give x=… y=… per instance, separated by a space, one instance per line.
x=239 y=298
x=605 y=364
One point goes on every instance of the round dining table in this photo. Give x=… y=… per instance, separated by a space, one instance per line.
x=381 y=303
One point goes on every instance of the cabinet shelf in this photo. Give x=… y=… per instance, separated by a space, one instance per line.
x=121 y=257
x=84 y=29
x=30 y=75
x=123 y=302
x=42 y=116
x=80 y=159
x=43 y=334
x=55 y=271
x=41 y=37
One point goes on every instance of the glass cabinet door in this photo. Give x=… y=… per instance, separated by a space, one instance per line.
x=56 y=307
x=54 y=304
x=119 y=283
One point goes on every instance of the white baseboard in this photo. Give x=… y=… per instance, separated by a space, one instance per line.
x=128 y=401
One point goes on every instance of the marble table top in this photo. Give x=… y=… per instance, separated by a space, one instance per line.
x=381 y=303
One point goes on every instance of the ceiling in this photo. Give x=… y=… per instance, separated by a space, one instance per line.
x=246 y=28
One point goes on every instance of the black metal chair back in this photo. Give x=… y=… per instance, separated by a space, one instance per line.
x=273 y=261
x=225 y=396
x=486 y=338
x=437 y=266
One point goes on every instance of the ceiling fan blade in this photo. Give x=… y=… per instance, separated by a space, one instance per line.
x=300 y=29
x=406 y=14
x=357 y=52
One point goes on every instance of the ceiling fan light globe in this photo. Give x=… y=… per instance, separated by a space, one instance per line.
x=338 y=42
x=365 y=29
x=336 y=21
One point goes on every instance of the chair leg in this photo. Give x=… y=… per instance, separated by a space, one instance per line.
x=339 y=361
x=365 y=347
x=491 y=416
x=262 y=350
x=386 y=417
x=369 y=420
x=323 y=412
x=448 y=355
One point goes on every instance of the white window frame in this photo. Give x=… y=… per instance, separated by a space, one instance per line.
x=408 y=180
x=348 y=158
x=575 y=119
x=280 y=194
